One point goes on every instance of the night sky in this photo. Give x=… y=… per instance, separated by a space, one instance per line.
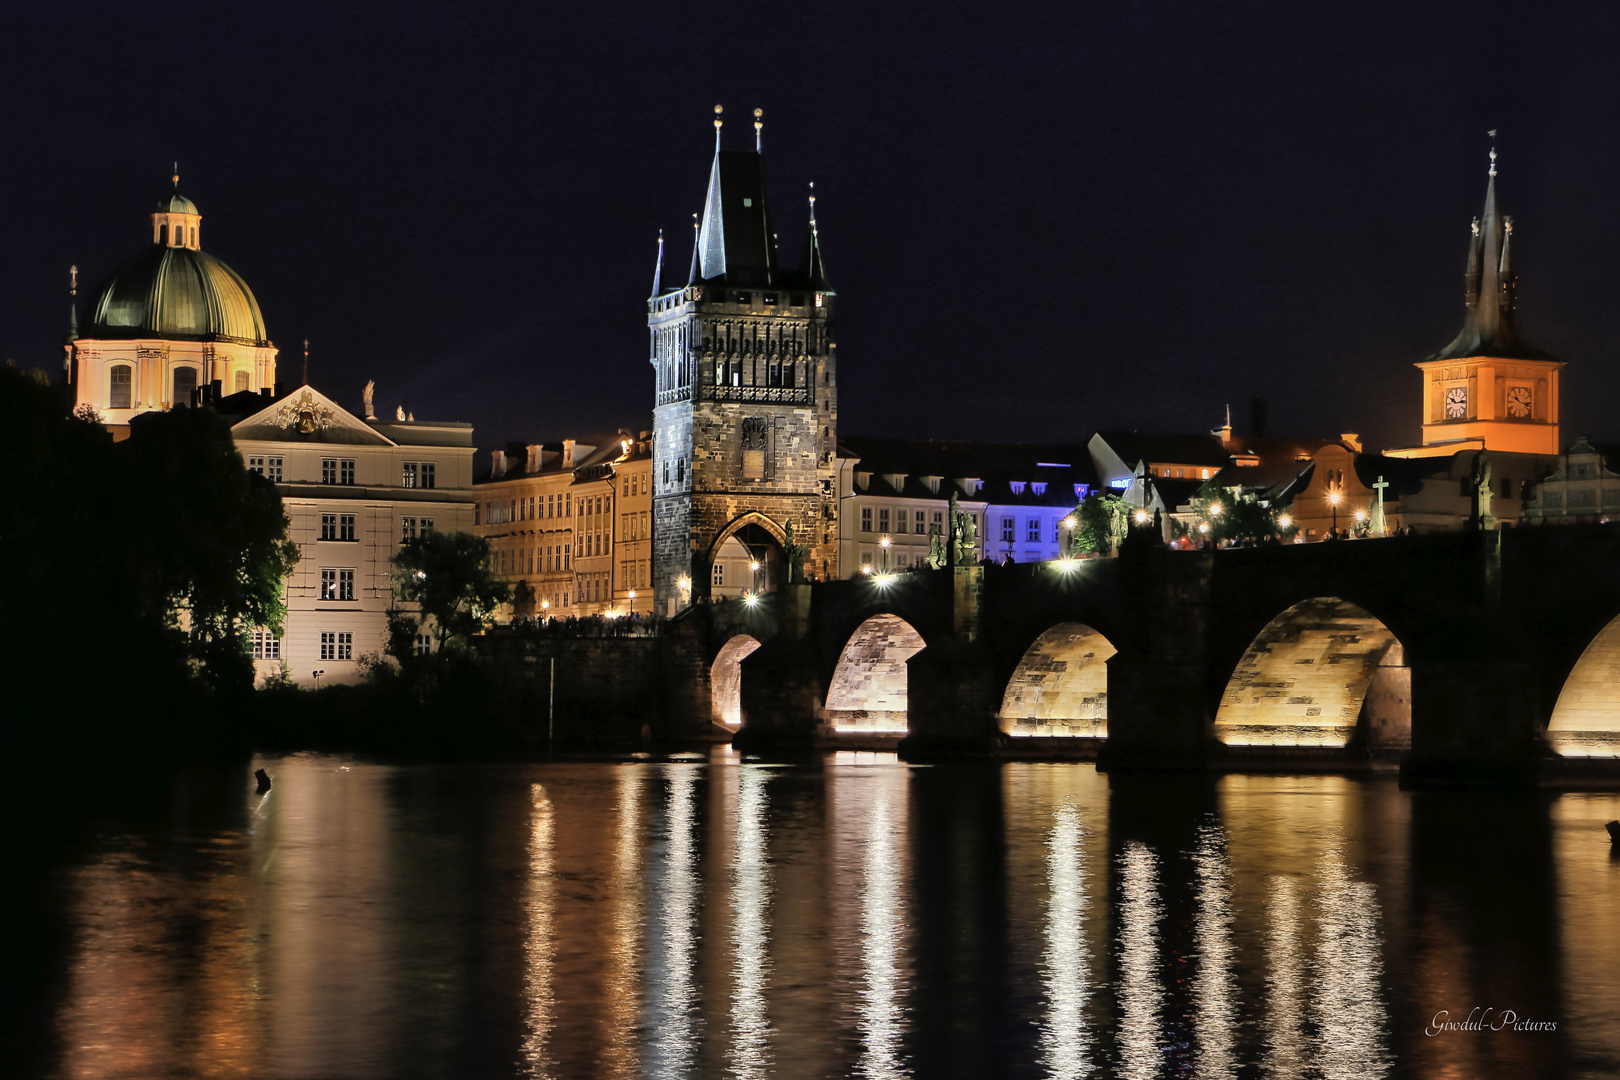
x=1040 y=219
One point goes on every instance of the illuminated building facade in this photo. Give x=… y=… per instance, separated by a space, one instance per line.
x=569 y=525
x=746 y=409
x=354 y=489
x=167 y=322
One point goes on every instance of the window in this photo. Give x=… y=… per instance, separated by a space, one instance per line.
x=920 y=521
x=329 y=527
x=240 y=383
x=1017 y=487
x=424 y=644
x=902 y=560
x=866 y=519
x=680 y=470
x=719 y=573
x=430 y=474
x=1033 y=533
x=266 y=646
x=407 y=529
x=1039 y=487
x=1204 y=474
x=185 y=381
x=267 y=467
x=1007 y=526
x=338 y=645
x=118 y=396
x=337 y=470
x=883 y=519
x=345 y=526
x=425 y=525
x=409 y=479
x=939 y=521
x=337 y=584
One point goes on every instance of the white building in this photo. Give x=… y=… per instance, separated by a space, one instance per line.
x=355 y=490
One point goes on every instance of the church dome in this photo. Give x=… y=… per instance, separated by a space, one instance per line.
x=175 y=290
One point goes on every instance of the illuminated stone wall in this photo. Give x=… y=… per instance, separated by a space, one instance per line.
x=868 y=690
x=1586 y=720
x=1305 y=677
x=725 y=680
x=1060 y=687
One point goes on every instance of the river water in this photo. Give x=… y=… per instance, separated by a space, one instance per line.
x=846 y=915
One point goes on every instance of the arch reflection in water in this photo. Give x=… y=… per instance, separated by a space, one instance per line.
x=1067 y=1044
x=1140 y=993
x=750 y=935
x=1215 y=991
x=540 y=946
x=883 y=925
x=1285 y=980
x=672 y=998
x=1352 y=1027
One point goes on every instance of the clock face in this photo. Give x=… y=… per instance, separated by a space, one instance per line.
x=1518 y=401
x=1456 y=403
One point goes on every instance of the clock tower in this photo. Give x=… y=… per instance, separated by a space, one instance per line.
x=1489 y=388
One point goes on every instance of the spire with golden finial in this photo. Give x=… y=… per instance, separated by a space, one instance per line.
x=1493 y=151
x=658 y=268
x=73 y=304
x=718 y=109
x=815 y=271
x=759 y=127
x=306 y=361
x=692 y=275
x=176 y=176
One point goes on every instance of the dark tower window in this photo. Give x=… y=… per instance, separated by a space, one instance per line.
x=163 y=234
x=185 y=381
x=119 y=397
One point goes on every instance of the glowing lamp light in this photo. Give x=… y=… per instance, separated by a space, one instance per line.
x=884 y=580
x=632 y=594
x=684 y=583
x=866 y=569
x=1214 y=509
x=751 y=599
x=1361 y=515
x=1203 y=526
x=753 y=566
x=1068 y=522
x=1141 y=517
x=1285 y=521
x=545 y=605
x=883 y=542
x=1333 y=497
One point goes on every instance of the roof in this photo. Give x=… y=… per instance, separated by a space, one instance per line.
x=176 y=203
x=1135 y=447
x=178 y=293
x=999 y=467
x=1488 y=319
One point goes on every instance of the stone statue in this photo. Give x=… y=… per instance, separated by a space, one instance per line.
x=365 y=397
x=936 y=548
x=1482 y=491
x=795 y=556
x=952 y=539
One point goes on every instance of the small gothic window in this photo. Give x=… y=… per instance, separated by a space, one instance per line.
x=119 y=397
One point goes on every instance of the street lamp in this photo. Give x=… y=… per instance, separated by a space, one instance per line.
x=1333 y=497
x=884 y=544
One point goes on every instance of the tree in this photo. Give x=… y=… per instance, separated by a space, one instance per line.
x=1101 y=523
x=1224 y=513
x=447 y=575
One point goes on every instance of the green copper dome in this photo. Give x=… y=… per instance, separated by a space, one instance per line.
x=176 y=203
x=174 y=292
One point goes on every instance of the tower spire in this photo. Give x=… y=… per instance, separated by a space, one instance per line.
x=692 y=274
x=718 y=109
x=306 y=361
x=73 y=303
x=658 y=269
x=815 y=270
x=759 y=127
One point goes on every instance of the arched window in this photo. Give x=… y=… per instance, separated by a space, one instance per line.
x=118 y=396
x=185 y=381
x=163 y=234
x=241 y=382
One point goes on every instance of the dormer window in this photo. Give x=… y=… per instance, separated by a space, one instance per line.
x=1038 y=486
x=1017 y=487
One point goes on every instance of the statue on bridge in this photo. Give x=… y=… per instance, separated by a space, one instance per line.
x=1482 y=517
x=795 y=556
x=961 y=539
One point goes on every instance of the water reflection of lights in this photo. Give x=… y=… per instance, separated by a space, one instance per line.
x=882 y=915
x=1285 y=981
x=1140 y=994
x=540 y=945
x=675 y=1036
x=624 y=977
x=1347 y=977
x=1068 y=961
x=750 y=935
x=1215 y=991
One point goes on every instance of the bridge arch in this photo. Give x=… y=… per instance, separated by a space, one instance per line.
x=1586 y=719
x=725 y=679
x=1315 y=674
x=867 y=693
x=1060 y=686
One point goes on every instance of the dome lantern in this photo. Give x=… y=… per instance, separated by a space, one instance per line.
x=176 y=222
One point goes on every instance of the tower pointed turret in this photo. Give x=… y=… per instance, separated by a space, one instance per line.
x=658 y=267
x=815 y=271
x=734 y=240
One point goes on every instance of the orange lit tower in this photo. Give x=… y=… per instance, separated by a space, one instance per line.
x=1489 y=387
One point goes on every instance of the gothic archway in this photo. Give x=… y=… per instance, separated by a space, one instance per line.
x=868 y=690
x=1060 y=687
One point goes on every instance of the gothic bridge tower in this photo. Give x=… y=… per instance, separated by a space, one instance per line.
x=1490 y=386
x=745 y=422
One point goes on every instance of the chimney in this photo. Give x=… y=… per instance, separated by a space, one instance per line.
x=1257 y=418
x=534 y=458
x=568 y=454
x=497 y=467
x=1352 y=440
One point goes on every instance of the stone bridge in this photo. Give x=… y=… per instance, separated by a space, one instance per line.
x=1466 y=657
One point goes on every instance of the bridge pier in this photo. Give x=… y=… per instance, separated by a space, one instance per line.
x=781 y=682
x=1474 y=721
x=953 y=694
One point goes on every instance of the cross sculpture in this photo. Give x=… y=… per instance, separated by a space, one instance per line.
x=1375 y=523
